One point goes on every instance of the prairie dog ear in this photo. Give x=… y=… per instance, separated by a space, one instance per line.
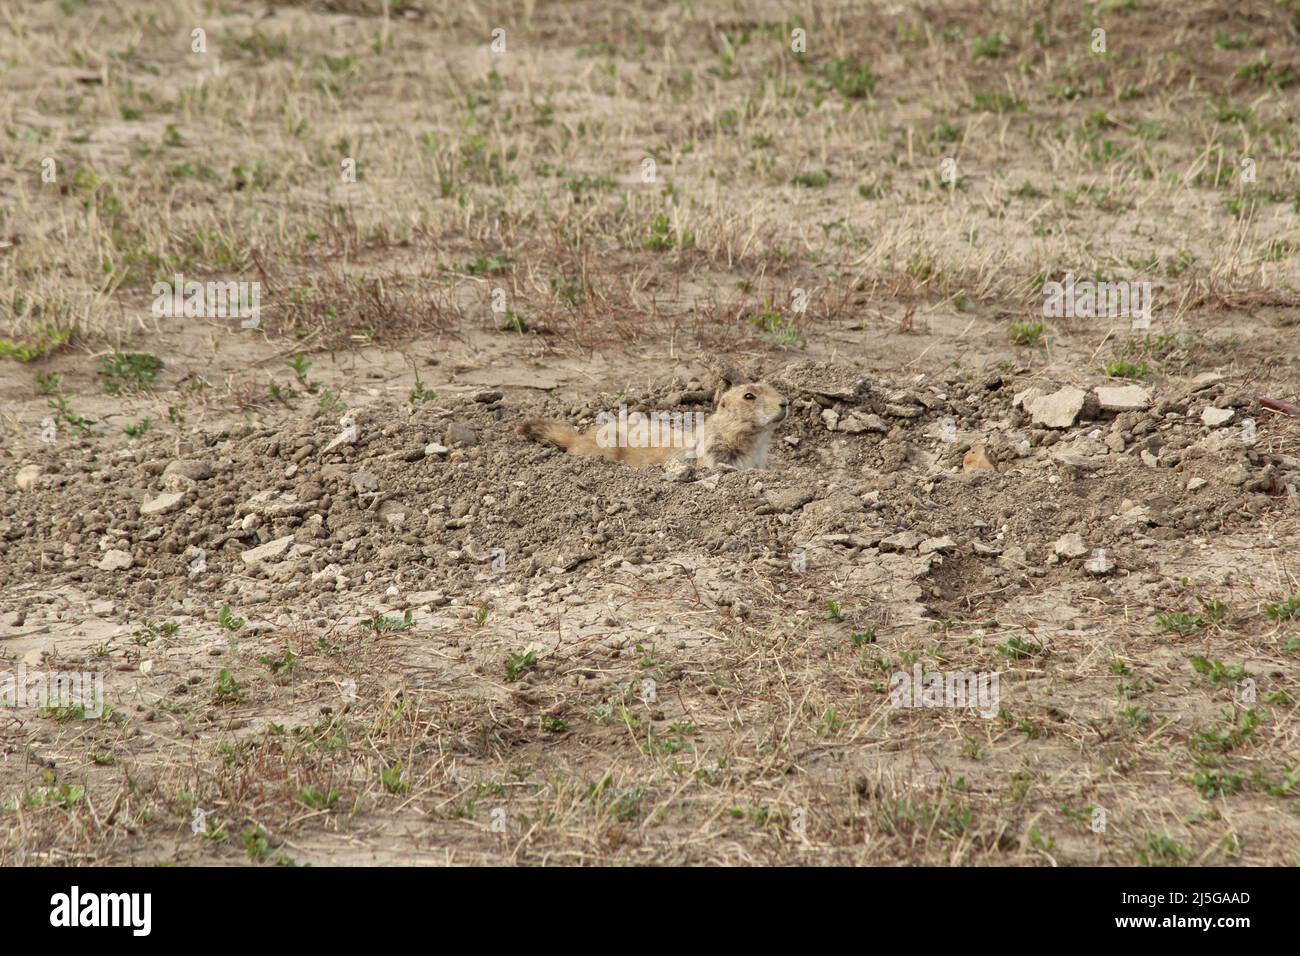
x=728 y=375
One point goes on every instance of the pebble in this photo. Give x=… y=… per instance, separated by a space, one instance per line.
x=1214 y=417
x=163 y=504
x=1070 y=546
x=1059 y=409
x=269 y=551
x=115 y=560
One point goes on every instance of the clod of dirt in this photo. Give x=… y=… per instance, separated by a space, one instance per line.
x=855 y=423
x=459 y=433
x=785 y=500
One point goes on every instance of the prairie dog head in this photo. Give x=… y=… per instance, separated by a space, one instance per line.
x=757 y=404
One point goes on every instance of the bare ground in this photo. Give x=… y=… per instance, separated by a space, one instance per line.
x=488 y=652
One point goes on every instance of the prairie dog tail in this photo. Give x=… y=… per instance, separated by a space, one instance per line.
x=554 y=433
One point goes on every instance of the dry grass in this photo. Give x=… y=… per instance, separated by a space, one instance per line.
x=518 y=179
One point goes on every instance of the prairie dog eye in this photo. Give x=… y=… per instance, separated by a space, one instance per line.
x=749 y=396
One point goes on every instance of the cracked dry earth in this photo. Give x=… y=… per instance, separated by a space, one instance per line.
x=408 y=635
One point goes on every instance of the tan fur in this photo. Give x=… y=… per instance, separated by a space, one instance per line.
x=737 y=435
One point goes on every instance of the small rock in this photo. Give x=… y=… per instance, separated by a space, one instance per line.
x=488 y=396
x=434 y=450
x=1058 y=410
x=1099 y=564
x=163 y=504
x=1122 y=398
x=269 y=551
x=943 y=545
x=901 y=542
x=830 y=418
x=1024 y=398
x=785 y=500
x=1196 y=484
x=679 y=469
x=365 y=482
x=1149 y=459
x=1214 y=417
x=904 y=411
x=433 y=598
x=115 y=560
x=1070 y=546
x=346 y=437
x=26 y=477
x=192 y=469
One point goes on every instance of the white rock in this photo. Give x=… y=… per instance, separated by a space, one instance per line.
x=1099 y=564
x=1214 y=417
x=115 y=560
x=1022 y=398
x=1058 y=410
x=269 y=551
x=164 y=503
x=1122 y=398
x=1070 y=546
x=1196 y=484
x=831 y=418
x=346 y=437
x=434 y=450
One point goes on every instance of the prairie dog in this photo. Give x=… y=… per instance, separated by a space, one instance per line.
x=736 y=435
